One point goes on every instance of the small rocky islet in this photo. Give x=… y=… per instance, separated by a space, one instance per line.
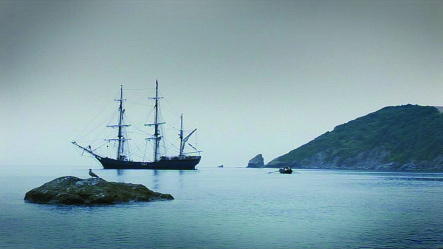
x=256 y=162
x=70 y=190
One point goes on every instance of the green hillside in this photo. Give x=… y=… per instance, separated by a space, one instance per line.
x=408 y=137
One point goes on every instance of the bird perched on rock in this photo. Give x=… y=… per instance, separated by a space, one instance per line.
x=92 y=174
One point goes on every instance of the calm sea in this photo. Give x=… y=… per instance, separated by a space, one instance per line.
x=232 y=208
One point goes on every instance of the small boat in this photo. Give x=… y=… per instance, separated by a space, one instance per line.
x=221 y=166
x=285 y=170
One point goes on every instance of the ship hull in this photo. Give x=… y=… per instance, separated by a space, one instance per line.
x=174 y=163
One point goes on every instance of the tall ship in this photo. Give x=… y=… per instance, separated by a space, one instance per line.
x=182 y=161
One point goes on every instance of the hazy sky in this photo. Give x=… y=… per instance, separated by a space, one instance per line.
x=252 y=76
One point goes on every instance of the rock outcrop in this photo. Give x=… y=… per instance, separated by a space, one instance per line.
x=70 y=190
x=256 y=162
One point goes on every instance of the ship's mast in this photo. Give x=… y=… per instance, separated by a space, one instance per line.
x=157 y=136
x=121 y=140
x=156 y=132
x=183 y=140
x=120 y=135
x=181 y=136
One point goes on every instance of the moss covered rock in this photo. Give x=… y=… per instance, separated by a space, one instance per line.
x=70 y=190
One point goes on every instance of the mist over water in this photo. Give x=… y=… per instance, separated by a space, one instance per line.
x=232 y=208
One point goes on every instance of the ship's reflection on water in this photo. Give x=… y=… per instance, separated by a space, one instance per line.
x=158 y=176
x=155 y=178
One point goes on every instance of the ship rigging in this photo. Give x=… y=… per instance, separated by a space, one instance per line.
x=122 y=160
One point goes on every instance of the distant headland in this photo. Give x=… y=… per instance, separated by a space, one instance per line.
x=407 y=137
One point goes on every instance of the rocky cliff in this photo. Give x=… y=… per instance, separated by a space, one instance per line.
x=408 y=137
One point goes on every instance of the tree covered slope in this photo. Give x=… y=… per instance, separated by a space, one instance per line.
x=408 y=137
